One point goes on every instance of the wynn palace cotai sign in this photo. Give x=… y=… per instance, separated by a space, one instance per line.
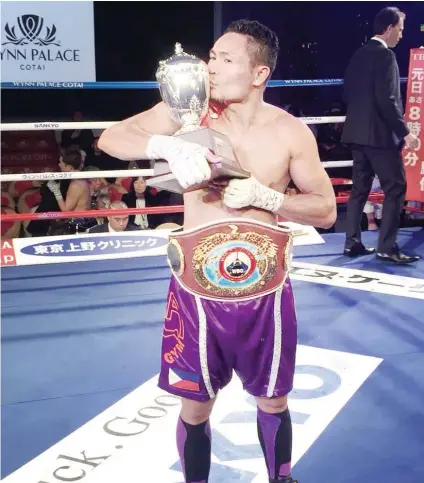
x=39 y=41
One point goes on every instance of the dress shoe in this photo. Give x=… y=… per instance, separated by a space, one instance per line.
x=397 y=257
x=357 y=250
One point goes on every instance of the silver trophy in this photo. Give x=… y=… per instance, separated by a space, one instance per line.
x=183 y=81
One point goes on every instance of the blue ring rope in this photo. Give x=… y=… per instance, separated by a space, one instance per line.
x=154 y=85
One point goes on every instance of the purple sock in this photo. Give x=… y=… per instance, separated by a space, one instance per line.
x=194 y=448
x=275 y=435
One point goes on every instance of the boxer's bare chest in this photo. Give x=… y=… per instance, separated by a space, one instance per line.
x=260 y=150
x=263 y=152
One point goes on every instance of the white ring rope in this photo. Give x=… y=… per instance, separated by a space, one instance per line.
x=337 y=164
x=120 y=173
x=55 y=126
x=46 y=176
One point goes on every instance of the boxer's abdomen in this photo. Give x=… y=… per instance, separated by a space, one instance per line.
x=205 y=206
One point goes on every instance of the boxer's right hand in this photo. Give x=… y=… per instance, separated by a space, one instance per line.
x=188 y=162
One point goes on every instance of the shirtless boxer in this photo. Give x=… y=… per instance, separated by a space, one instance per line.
x=205 y=338
x=64 y=195
x=78 y=193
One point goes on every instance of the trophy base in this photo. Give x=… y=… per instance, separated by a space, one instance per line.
x=218 y=143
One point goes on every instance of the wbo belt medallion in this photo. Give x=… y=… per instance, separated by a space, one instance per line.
x=234 y=263
x=231 y=261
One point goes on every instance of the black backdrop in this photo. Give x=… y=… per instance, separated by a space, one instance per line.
x=316 y=40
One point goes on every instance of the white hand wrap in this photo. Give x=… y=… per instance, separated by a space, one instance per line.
x=54 y=187
x=241 y=193
x=186 y=160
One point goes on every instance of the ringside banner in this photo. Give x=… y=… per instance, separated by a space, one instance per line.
x=40 y=43
x=89 y=246
x=84 y=247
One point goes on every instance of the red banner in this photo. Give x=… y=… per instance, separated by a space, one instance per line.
x=414 y=158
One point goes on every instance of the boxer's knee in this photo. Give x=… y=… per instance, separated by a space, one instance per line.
x=195 y=412
x=274 y=405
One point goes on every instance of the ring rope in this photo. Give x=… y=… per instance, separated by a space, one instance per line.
x=46 y=176
x=120 y=173
x=153 y=210
x=154 y=85
x=54 y=126
x=56 y=215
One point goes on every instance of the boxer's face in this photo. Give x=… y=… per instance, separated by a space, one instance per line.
x=64 y=167
x=232 y=76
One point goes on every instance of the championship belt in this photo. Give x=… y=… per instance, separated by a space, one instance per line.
x=238 y=259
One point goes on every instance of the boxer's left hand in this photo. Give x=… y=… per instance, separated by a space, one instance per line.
x=241 y=193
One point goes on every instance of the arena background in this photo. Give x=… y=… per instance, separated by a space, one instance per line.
x=317 y=39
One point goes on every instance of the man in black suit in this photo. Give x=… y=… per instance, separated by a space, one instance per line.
x=376 y=132
x=116 y=223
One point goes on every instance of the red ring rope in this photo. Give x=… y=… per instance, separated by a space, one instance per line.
x=56 y=215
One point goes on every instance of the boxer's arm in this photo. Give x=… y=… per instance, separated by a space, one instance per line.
x=72 y=196
x=316 y=203
x=128 y=139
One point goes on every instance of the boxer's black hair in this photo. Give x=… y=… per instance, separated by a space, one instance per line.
x=263 y=42
x=72 y=156
x=386 y=17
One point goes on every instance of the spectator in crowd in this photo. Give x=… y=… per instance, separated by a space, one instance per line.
x=115 y=223
x=82 y=137
x=141 y=196
x=102 y=200
x=64 y=195
x=98 y=185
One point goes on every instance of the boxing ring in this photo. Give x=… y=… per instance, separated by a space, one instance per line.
x=81 y=336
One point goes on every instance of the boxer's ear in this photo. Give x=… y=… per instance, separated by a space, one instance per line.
x=262 y=73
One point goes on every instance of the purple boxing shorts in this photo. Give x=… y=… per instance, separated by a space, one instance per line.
x=205 y=340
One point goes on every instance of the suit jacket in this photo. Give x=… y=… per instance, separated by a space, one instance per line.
x=374 y=114
x=163 y=198
x=104 y=228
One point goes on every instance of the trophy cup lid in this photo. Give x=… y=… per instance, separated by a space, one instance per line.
x=179 y=62
x=179 y=56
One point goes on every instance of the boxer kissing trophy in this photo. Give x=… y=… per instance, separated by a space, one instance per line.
x=183 y=82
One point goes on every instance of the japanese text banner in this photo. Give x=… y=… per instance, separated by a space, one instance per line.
x=414 y=158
